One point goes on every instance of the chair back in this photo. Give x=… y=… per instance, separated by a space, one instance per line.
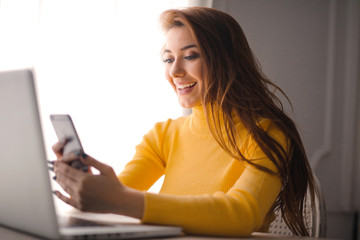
x=315 y=219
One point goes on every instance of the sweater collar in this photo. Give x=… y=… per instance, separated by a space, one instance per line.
x=198 y=123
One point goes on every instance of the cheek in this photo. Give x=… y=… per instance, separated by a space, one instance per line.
x=198 y=73
x=169 y=79
x=195 y=68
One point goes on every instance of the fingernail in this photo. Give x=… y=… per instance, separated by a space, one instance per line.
x=54 y=177
x=85 y=168
x=51 y=162
x=51 y=169
x=78 y=153
x=84 y=155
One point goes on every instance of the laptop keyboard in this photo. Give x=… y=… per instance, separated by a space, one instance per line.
x=78 y=222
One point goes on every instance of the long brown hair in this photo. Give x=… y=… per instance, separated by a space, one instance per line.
x=234 y=85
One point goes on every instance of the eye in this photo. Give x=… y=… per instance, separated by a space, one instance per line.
x=168 y=60
x=193 y=56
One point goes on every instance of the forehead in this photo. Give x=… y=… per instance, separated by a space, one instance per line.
x=178 y=37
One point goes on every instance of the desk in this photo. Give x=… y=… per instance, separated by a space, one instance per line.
x=9 y=234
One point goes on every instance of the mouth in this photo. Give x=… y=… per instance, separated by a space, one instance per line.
x=186 y=86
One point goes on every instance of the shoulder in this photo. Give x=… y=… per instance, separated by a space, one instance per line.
x=267 y=125
x=278 y=139
x=161 y=131
x=161 y=135
x=169 y=124
x=167 y=128
x=272 y=129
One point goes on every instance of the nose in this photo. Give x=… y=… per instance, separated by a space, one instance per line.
x=177 y=69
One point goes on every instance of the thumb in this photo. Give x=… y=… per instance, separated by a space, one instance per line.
x=103 y=168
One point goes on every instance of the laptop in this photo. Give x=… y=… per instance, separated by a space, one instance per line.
x=26 y=202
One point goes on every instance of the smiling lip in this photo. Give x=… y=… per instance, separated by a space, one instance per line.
x=183 y=89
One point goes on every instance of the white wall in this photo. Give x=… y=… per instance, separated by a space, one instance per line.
x=311 y=50
x=96 y=60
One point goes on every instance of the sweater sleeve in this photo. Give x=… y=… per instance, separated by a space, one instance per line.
x=148 y=164
x=237 y=212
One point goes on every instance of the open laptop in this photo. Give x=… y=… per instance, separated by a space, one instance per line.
x=26 y=199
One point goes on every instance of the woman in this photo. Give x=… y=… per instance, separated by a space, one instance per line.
x=228 y=165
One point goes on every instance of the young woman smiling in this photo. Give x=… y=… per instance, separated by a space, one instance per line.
x=228 y=165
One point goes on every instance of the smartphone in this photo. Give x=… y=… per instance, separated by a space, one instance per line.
x=65 y=130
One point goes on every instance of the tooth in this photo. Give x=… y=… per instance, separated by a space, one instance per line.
x=185 y=86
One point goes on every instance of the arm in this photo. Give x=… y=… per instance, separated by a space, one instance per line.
x=238 y=212
x=104 y=193
x=149 y=163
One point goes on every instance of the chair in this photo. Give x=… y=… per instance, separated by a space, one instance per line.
x=315 y=221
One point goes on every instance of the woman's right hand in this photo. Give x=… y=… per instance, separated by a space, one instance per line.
x=101 y=193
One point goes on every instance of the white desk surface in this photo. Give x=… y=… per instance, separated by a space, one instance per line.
x=9 y=234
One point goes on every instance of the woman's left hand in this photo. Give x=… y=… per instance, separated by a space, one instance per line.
x=102 y=193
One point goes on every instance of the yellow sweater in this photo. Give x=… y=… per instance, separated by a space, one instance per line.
x=205 y=191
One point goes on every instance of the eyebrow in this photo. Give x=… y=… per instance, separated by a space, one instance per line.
x=183 y=48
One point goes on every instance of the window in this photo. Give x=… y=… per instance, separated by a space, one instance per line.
x=98 y=61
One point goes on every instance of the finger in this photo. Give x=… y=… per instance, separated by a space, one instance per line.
x=71 y=157
x=76 y=160
x=69 y=178
x=62 y=168
x=65 y=199
x=68 y=184
x=103 y=168
x=58 y=148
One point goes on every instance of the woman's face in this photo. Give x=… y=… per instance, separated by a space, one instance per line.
x=183 y=66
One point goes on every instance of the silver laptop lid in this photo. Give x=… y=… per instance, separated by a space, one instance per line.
x=26 y=202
